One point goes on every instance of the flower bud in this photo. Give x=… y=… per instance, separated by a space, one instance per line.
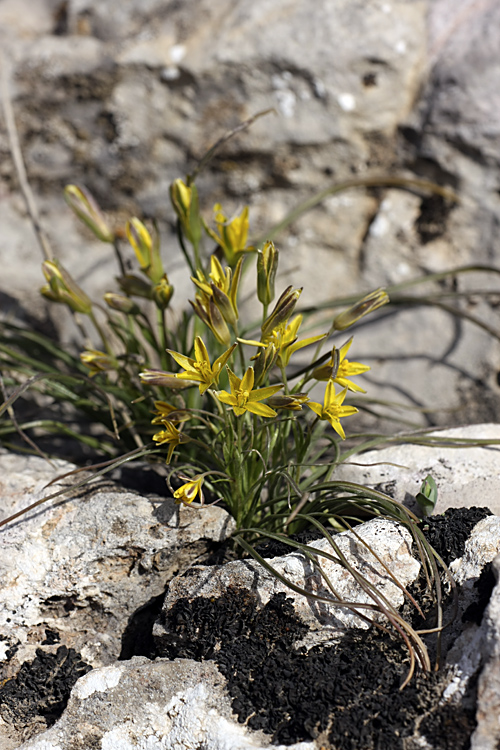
x=162 y=293
x=267 y=265
x=224 y=305
x=283 y=308
x=165 y=379
x=135 y=286
x=85 y=207
x=185 y=203
x=366 y=305
x=218 y=325
x=264 y=361
x=140 y=239
x=428 y=496
x=121 y=303
x=291 y=402
x=62 y=288
x=98 y=361
x=330 y=369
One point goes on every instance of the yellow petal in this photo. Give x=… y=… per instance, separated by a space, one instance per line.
x=261 y=409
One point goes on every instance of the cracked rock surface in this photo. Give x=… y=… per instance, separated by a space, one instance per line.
x=77 y=571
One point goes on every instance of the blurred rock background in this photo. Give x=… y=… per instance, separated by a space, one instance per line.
x=123 y=97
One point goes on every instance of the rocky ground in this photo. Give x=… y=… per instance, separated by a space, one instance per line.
x=120 y=628
x=125 y=97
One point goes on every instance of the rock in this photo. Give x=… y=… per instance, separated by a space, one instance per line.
x=465 y=476
x=487 y=734
x=126 y=100
x=324 y=621
x=150 y=706
x=87 y=573
x=193 y=703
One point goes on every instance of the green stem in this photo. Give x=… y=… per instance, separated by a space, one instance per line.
x=101 y=333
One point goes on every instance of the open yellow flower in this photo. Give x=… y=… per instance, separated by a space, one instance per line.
x=332 y=409
x=171 y=436
x=200 y=369
x=345 y=370
x=186 y=493
x=286 y=340
x=165 y=412
x=232 y=234
x=242 y=398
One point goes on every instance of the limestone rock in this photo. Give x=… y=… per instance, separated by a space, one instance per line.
x=391 y=541
x=75 y=573
x=487 y=733
x=465 y=476
x=143 y=705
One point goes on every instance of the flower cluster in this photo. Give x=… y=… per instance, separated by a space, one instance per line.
x=244 y=424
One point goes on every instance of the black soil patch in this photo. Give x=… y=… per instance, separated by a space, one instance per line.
x=41 y=687
x=448 y=532
x=347 y=694
x=432 y=220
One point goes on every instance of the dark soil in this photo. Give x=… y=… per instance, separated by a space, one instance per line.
x=41 y=688
x=347 y=695
x=448 y=532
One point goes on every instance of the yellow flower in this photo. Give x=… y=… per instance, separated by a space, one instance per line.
x=170 y=435
x=332 y=409
x=98 y=361
x=200 y=369
x=286 y=340
x=283 y=339
x=232 y=234
x=165 y=412
x=62 y=288
x=186 y=493
x=344 y=371
x=242 y=398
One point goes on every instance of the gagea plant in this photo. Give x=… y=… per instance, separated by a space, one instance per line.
x=246 y=403
x=231 y=403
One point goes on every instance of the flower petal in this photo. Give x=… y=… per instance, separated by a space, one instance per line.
x=261 y=409
x=248 y=381
x=261 y=393
x=227 y=398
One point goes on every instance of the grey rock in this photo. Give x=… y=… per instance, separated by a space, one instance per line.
x=124 y=99
x=147 y=705
x=325 y=620
x=465 y=476
x=83 y=567
x=487 y=734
